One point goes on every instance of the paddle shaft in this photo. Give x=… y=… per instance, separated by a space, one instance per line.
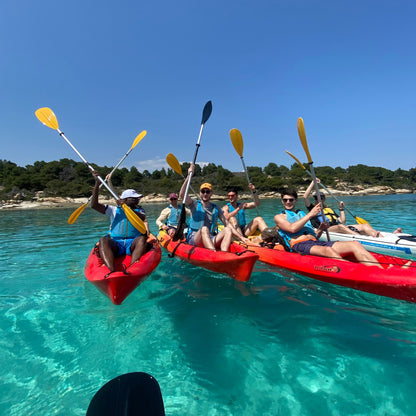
x=248 y=181
x=321 y=184
x=89 y=166
x=188 y=184
x=304 y=142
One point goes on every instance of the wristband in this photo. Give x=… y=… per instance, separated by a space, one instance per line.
x=342 y=209
x=254 y=192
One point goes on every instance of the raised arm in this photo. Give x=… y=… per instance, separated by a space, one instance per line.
x=94 y=198
x=342 y=218
x=183 y=187
x=307 y=194
x=293 y=227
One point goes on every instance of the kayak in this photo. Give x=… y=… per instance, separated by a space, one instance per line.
x=237 y=263
x=390 y=243
x=118 y=285
x=392 y=281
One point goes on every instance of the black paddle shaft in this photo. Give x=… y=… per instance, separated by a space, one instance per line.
x=206 y=112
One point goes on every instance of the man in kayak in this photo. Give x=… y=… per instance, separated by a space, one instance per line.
x=123 y=237
x=234 y=212
x=296 y=228
x=337 y=223
x=169 y=217
x=203 y=227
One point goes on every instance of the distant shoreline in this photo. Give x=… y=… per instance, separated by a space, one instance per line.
x=58 y=202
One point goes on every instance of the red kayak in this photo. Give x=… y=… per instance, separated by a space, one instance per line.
x=393 y=280
x=118 y=285
x=237 y=263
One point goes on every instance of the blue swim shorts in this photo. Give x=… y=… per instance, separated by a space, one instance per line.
x=304 y=247
x=123 y=245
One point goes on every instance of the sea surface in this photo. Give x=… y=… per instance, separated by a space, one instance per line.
x=281 y=344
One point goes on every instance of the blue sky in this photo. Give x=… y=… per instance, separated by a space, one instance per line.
x=112 y=69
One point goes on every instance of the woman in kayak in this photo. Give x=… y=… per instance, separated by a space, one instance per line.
x=295 y=226
x=123 y=237
x=203 y=228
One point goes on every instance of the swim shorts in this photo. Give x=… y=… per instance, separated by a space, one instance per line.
x=304 y=247
x=124 y=245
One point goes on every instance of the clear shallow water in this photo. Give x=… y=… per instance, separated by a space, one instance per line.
x=281 y=344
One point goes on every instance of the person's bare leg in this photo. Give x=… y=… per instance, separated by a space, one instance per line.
x=138 y=248
x=206 y=238
x=107 y=248
x=252 y=226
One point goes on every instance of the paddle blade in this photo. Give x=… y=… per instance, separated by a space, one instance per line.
x=181 y=225
x=138 y=139
x=76 y=214
x=237 y=141
x=174 y=163
x=361 y=220
x=302 y=136
x=137 y=223
x=297 y=160
x=46 y=116
x=130 y=394
x=206 y=112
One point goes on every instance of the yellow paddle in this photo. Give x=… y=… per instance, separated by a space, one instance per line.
x=48 y=118
x=176 y=167
x=237 y=141
x=302 y=136
x=358 y=219
x=173 y=162
x=79 y=210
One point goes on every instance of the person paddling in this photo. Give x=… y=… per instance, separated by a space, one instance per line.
x=203 y=228
x=338 y=223
x=123 y=237
x=295 y=226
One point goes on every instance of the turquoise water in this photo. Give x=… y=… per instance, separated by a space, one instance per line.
x=281 y=344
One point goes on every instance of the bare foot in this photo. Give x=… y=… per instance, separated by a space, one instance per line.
x=398 y=231
x=407 y=264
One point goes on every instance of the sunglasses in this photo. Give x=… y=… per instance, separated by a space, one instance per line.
x=231 y=195
x=288 y=199
x=205 y=191
x=173 y=199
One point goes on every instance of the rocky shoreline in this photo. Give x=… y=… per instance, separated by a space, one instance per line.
x=58 y=202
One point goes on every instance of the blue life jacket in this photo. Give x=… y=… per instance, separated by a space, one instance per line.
x=240 y=217
x=174 y=215
x=198 y=218
x=121 y=227
x=293 y=217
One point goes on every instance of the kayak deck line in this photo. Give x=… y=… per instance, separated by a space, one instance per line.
x=237 y=263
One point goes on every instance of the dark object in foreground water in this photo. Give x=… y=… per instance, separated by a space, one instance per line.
x=129 y=394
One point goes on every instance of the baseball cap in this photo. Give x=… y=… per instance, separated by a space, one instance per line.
x=206 y=186
x=130 y=193
x=173 y=195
